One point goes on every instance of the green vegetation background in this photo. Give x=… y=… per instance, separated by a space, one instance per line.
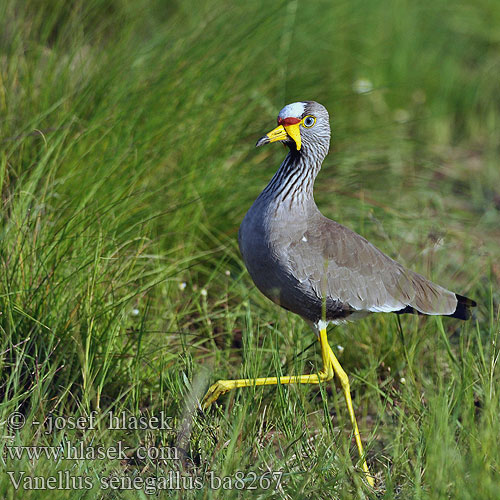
x=126 y=165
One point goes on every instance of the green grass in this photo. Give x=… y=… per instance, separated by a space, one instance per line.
x=126 y=166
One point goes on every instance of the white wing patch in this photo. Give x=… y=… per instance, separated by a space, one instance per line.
x=385 y=308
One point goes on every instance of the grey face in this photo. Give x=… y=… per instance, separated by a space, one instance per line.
x=314 y=126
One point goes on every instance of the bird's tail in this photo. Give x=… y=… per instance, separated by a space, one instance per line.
x=464 y=307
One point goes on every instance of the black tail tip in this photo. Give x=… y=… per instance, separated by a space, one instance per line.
x=464 y=307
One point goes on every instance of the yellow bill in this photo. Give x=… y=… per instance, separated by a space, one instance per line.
x=282 y=133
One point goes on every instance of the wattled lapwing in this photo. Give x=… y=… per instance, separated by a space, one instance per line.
x=318 y=268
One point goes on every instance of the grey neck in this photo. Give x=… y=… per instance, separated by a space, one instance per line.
x=294 y=181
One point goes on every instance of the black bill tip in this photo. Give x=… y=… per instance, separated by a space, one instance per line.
x=263 y=140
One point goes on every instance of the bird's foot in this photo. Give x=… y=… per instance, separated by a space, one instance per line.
x=220 y=387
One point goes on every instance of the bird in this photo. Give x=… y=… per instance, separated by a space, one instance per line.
x=318 y=268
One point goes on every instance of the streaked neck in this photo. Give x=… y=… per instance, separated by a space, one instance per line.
x=294 y=181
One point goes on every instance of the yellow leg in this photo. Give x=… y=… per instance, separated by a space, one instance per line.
x=331 y=365
x=344 y=382
x=222 y=386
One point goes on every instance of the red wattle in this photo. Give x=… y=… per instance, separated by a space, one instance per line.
x=288 y=121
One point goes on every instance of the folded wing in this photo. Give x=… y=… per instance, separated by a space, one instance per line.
x=342 y=265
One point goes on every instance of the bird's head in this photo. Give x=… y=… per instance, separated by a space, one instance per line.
x=301 y=126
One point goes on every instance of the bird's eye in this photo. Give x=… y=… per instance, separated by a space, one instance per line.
x=309 y=121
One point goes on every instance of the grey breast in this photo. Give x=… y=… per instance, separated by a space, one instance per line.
x=263 y=246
